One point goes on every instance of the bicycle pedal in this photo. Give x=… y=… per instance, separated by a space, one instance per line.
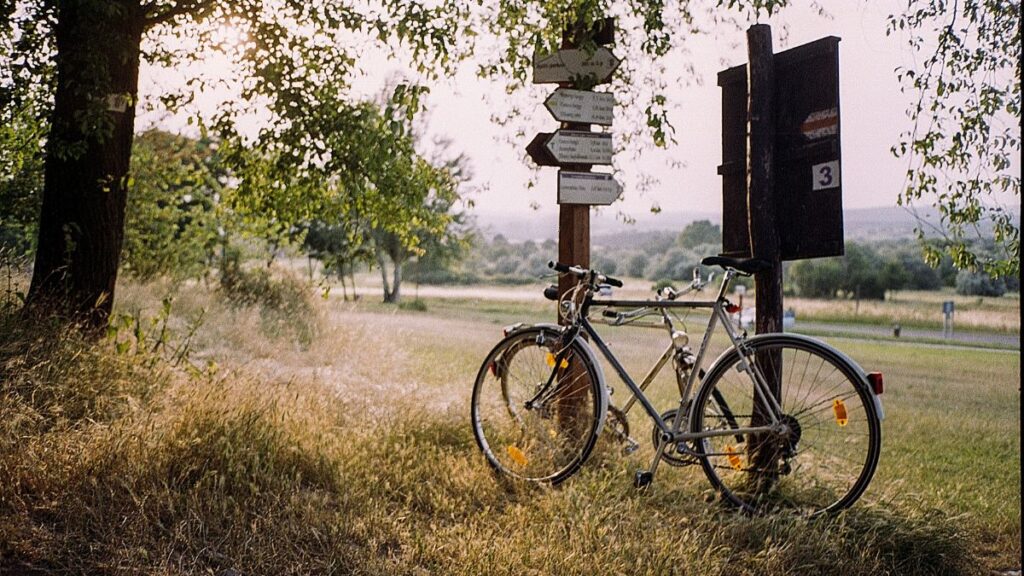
x=643 y=479
x=630 y=447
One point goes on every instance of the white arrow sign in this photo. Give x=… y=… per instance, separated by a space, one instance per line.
x=581 y=106
x=580 y=147
x=566 y=65
x=592 y=188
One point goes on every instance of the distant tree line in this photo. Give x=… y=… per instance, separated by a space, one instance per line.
x=868 y=269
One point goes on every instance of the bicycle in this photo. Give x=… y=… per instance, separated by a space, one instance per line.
x=777 y=421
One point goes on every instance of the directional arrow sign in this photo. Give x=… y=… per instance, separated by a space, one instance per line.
x=581 y=106
x=538 y=151
x=592 y=188
x=566 y=65
x=580 y=147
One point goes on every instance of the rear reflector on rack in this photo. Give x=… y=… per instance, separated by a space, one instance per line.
x=876 y=381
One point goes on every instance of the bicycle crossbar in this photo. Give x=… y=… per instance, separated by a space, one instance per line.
x=651 y=304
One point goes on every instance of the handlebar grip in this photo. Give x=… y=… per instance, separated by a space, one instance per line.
x=558 y=267
x=613 y=281
x=609 y=314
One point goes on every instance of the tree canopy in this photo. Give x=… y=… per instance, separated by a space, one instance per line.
x=963 y=147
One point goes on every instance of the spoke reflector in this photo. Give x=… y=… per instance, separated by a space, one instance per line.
x=734 y=459
x=517 y=455
x=840 y=409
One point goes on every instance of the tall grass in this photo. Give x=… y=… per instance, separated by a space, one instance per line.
x=117 y=460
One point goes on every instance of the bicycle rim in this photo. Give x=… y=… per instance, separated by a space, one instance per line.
x=547 y=441
x=829 y=452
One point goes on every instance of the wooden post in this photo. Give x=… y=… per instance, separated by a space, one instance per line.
x=761 y=201
x=761 y=223
x=574 y=250
x=573 y=219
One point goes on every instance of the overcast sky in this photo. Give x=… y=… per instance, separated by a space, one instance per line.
x=872 y=109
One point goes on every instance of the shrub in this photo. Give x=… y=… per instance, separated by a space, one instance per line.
x=979 y=284
x=416 y=305
x=285 y=301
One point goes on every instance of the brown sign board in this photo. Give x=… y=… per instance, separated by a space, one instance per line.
x=808 y=183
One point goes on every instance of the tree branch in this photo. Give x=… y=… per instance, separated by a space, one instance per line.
x=158 y=15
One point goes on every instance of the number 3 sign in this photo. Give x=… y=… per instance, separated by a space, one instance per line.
x=825 y=176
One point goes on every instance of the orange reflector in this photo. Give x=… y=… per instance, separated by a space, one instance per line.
x=517 y=455
x=551 y=361
x=493 y=366
x=734 y=459
x=877 y=382
x=732 y=308
x=840 y=409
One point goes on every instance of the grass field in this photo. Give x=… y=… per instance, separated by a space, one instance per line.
x=351 y=453
x=919 y=309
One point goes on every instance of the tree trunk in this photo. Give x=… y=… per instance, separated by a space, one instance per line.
x=81 y=227
x=344 y=288
x=396 y=281
x=384 y=275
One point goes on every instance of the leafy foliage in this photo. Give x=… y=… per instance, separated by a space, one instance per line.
x=966 y=125
x=172 y=223
x=21 y=176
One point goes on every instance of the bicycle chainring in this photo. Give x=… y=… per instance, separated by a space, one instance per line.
x=672 y=456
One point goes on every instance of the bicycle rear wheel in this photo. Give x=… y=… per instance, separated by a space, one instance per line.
x=830 y=448
x=529 y=423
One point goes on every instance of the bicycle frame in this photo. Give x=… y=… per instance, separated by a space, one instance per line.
x=671 y=433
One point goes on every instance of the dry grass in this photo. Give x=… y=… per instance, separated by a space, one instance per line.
x=922 y=309
x=352 y=454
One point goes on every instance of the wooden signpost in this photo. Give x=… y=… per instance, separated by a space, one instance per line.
x=574 y=148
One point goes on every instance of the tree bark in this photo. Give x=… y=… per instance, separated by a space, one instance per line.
x=383 y=274
x=81 y=227
x=396 y=281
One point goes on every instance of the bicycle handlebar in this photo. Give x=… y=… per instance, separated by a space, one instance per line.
x=596 y=276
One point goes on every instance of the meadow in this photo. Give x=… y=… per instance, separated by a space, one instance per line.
x=336 y=440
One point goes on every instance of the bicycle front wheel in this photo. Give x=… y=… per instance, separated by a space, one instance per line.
x=537 y=409
x=825 y=451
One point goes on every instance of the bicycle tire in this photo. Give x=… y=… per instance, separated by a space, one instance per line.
x=550 y=441
x=827 y=457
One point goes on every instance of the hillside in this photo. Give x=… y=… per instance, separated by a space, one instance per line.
x=860 y=224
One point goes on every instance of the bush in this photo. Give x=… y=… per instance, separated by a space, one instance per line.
x=285 y=302
x=979 y=284
x=444 y=277
x=636 y=265
x=416 y=305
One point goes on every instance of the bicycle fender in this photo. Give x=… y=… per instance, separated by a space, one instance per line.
x=591 y=357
